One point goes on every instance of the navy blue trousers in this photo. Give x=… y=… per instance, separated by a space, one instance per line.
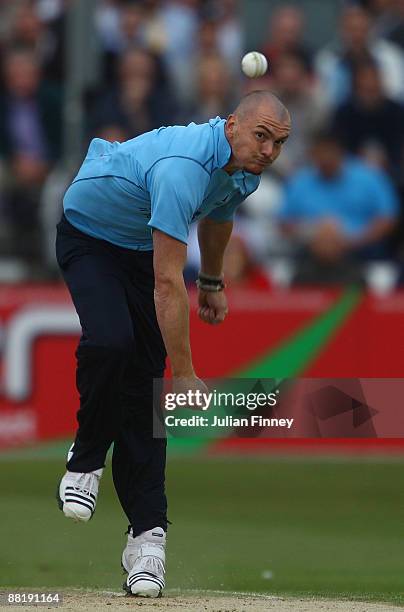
x=120 y=352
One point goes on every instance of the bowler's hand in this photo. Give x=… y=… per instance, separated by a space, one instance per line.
x=193 y=385
x=212 y=306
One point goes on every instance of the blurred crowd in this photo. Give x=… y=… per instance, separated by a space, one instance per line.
x=330 y=209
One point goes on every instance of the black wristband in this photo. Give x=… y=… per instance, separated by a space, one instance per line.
x=209 y=283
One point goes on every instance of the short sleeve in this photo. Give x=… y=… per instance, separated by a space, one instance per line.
x=177 y=187
x=224 y=213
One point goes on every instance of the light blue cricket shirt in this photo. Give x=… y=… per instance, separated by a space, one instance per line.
x=164 y=179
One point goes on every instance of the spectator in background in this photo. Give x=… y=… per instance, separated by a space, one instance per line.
x=53 y=15
x=125 y=30
x=141 y=100
x=7 y=11
x=107 y=23
x=228 y=35
x=207 y=40
x=26 y=28
x=372 y=125
x=112 y=133
x=156 y=37
x=292 y=82
x=396 y=33
x=121 y=26
x=168 y=29
x=215 y=93
x=285 y=35
x=335 y=67
x=45 y=39
x=30 y=143
x=180 y=19
x=340 y=211
x=214 y=86
x=388 y=20
x=50 y=10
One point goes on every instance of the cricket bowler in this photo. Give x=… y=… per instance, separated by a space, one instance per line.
x=121 y=246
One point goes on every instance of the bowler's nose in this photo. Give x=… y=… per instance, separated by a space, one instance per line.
x=268 y=148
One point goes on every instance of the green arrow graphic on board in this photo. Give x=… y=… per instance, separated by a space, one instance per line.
x=292 y=356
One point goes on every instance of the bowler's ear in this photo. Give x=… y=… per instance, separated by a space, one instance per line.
x=230 y=123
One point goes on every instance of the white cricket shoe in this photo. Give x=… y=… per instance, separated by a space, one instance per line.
x=77 y=493
x=144 y=560
x=131 y=551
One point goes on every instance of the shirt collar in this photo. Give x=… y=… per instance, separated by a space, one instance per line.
x=222 y=149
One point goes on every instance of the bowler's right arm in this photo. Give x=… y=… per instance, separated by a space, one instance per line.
x=171 y=300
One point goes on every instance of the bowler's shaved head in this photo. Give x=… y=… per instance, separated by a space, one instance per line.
x=255 y=99
x=256 y=131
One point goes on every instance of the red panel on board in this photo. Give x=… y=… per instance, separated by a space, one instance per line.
x=257 y=322
x=369 y=345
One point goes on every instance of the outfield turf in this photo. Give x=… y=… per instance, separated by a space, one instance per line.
x=313 y=527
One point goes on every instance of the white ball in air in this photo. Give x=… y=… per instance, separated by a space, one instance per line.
x=254 y=64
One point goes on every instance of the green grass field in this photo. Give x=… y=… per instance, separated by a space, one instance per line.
x=311 y=527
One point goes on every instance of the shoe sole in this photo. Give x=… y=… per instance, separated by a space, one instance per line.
x=130 y=594
x=60 y=506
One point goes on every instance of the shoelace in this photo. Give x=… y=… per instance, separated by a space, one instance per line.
x=87 y=483
x=152 y=564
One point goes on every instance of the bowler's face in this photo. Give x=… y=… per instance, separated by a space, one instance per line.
x=256 y=138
